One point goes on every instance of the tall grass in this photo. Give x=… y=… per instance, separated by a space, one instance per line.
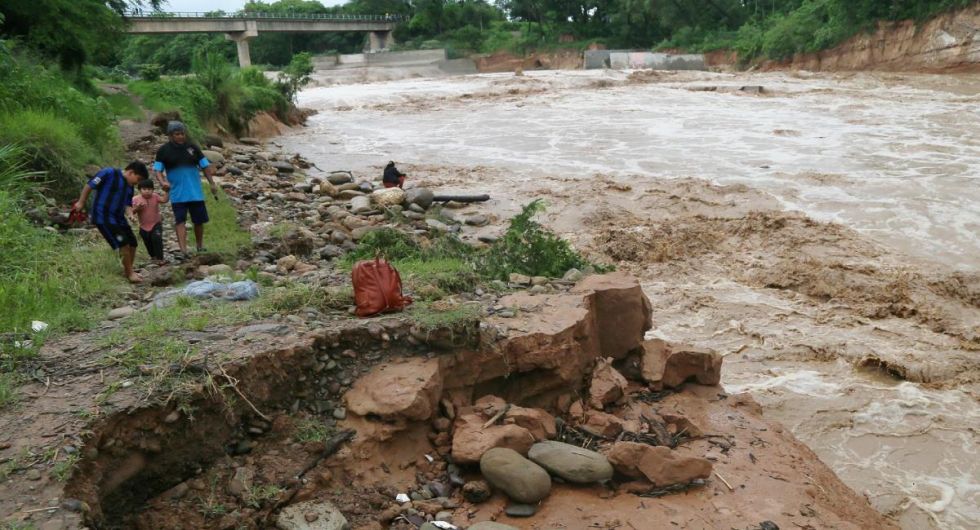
x=59 y=125
x=218 y=94
x=65 y=282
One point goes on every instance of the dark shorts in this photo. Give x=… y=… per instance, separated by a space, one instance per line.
x=153 y=241
x=117 y=235
x=199 y=213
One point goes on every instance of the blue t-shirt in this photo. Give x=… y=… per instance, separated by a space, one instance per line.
x=181 y=162
x=112 y=195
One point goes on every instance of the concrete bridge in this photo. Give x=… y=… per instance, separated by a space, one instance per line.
x=242 y=26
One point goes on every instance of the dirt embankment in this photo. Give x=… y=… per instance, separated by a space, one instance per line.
x=947 y=43
x=683 y=450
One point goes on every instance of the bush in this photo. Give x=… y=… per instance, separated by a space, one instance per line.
x=150 y=72
x=528 y=248
x=296 y=75
x=448 y=265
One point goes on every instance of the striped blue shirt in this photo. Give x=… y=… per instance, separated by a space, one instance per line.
x=112 y=195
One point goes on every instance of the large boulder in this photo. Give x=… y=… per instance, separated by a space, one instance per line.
x=570 y=462
x=660 y=465
x=420 y=196
x=388 y=197
x=409 y=389
x=311 y=515
x=360 y=204
x=670 y=365
x=214 y=157
x=339 y=178
x=608 y=385
x=471 y=440
x=522 y=480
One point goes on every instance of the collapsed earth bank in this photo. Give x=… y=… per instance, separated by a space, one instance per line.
x=627 y=432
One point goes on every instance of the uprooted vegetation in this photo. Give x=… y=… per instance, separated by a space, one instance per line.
x=446 y=265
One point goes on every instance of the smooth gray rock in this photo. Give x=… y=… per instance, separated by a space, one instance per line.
x=437 y=225
x=360 y=204
x=214 y=157
x=520 y=510
x=521 y=479
x=121 y=312
x=477 y=220
x=571 y=462
x=419 y=196
x=338 y=178
x=282 y=167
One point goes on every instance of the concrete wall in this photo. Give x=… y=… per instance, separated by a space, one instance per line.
x=624 y=59
x=412 y=57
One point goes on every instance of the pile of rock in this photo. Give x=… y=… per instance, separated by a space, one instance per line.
x=523 y=451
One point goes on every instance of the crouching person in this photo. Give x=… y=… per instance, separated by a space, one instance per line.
x=112 y=204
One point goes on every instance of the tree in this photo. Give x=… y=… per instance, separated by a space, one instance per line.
x=296 y=75
x=72 y=31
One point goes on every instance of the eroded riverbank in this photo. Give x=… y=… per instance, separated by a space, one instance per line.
x=793 y=302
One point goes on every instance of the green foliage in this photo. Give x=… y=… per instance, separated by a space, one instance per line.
x=528 y=248
x=58 y=126
x=65 y=282
x=448 y=265
x=123 y=106
x=312 y=430
x=295 y=75
x=217 y=94
x=49 y=145
x=8 y=392
x=150 y=71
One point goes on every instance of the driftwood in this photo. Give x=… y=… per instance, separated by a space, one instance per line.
x=461 y=198
x=331 y=446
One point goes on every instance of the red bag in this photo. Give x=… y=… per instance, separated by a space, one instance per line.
x=377 y=288
x=76 y=219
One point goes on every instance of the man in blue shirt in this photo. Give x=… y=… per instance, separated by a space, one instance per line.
x=177 y=166
x=113 y=202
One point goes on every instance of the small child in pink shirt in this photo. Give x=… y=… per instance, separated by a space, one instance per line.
x=146 y=204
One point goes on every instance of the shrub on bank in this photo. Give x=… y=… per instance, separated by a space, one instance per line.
x=448 y=265
x=217 y=95
x=60 y=126
x=51 y=147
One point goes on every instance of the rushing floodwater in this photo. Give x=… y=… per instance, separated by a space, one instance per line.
x=897 y=162
x=895 y=158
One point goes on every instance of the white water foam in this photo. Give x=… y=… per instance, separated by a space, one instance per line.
x=899 y=163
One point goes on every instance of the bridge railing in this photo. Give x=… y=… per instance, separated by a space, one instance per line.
x=340 y=17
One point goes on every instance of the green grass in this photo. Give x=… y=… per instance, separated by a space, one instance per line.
x=223 y=234
x=123 y=107
x=62 y=470
x=8 y=389
x=61 y=280
x=311 y=430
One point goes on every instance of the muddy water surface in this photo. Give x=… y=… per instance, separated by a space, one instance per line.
x=896 y=158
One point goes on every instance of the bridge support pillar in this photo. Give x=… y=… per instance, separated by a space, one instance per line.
x=380 y=40
x=241 y=40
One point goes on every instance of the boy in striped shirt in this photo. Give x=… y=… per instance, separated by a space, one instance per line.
x=113 y=202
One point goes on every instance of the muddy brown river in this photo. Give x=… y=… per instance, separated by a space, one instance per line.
x=895 y=158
